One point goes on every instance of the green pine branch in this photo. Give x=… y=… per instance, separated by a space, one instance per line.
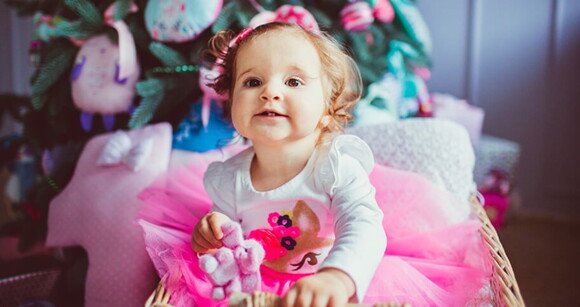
x=87 y=11
x=121 y=10
x=226 y=17
x=57 y=62
x=152 y=91
x=167 y=55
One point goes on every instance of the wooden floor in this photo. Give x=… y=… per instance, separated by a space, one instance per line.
x=545 y=254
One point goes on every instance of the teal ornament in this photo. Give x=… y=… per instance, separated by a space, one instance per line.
x=398 y=52
x=47 y=27
x=192 y=136
x=412 y=86
x=413 y=23
x=383 y=94
x=180 y=20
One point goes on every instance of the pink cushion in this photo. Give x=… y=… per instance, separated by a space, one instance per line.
x=97 y=211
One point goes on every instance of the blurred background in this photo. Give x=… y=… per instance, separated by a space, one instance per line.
x=516 y=64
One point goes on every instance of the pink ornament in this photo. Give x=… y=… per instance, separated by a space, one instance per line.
x=383 y=11
x=357 y=16
x=298 y=15
x=287 y=13
x=423 y=73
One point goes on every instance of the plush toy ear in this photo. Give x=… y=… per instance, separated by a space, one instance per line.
x=232 y=234
x=250 y=255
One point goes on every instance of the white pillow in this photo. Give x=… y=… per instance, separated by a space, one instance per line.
x=437 y=149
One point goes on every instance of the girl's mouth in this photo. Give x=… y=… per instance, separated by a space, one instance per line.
x=270 y=114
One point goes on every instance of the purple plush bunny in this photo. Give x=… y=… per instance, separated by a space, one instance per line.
x=235 y=267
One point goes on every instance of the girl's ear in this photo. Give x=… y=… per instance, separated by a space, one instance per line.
x=324 y=121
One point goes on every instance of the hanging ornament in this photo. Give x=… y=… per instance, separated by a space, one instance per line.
x=286 y=13
x=104 y=75
x=413 y=23
x=206 y=77
x=357 y=16
x=47 y=27
x=383 y=11
x=180 y=20
x=34 y=51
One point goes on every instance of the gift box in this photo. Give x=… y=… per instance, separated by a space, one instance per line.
x=493 y=153
x=495 y=165
x=471 y=117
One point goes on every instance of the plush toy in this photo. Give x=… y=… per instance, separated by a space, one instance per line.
x=235 y=267
x=104 y=74
x=97 y=210
x=96 y=83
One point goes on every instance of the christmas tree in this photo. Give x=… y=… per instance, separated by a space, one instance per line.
x=142 y=61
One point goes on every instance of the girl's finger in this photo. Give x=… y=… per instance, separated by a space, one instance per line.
x=289 y=298
x=200 y=244
x=215 y=221
x=304 y=299
x=322 y=300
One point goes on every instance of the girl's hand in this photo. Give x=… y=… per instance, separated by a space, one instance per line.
x=207 y=234
x=329 y=287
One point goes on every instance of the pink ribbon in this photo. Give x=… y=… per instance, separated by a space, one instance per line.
x=127 y=50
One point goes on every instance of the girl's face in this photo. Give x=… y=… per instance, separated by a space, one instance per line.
x=278 y=94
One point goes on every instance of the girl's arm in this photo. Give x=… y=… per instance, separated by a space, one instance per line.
x=360 y=239
x=218 y=183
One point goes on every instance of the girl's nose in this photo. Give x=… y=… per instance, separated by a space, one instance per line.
x=271 y=92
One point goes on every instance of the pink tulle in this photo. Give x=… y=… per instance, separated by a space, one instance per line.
x=430 y=260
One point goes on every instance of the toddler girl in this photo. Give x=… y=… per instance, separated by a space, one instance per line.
x=303 y=191
x=290 y=89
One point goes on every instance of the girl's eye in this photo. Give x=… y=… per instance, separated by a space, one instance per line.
x=252 y=83
x=294 y=82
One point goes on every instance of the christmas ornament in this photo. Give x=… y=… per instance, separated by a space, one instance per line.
x=180 y=20
x=104 y=75
x=47 y=27
x=193 y=135
x=97 y=82
x=287 y=13
x=207 y=77
x=357 y=16
x=413 y=23
x=383 y=11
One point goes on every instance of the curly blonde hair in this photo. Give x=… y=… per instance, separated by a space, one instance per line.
x=342 y=81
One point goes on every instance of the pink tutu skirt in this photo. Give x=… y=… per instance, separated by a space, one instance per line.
x=429 y=260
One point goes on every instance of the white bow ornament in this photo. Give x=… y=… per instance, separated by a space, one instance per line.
x=119 y=149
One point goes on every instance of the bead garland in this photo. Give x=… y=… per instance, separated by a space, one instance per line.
x=175 y=69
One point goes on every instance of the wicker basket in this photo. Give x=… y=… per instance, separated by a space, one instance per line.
x=504 y=286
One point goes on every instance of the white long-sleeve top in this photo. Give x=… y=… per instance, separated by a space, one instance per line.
x=326 y=216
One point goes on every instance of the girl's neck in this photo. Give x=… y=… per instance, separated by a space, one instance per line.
x=273 y=166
